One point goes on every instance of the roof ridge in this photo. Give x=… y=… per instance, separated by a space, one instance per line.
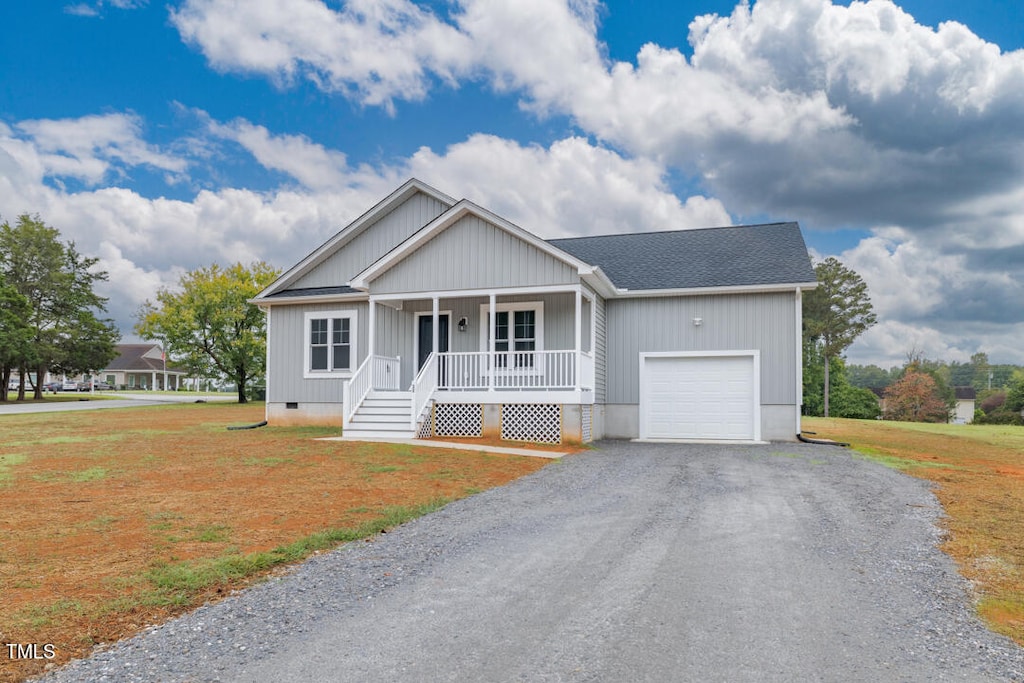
x=676 y=231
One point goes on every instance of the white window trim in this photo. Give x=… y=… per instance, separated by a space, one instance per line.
x=536 y=306
x=353 y=318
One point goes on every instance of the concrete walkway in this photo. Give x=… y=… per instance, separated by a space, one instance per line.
x=431 y=443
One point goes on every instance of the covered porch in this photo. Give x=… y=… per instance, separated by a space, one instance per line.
x=521 y=346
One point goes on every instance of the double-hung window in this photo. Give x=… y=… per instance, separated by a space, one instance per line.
x=518 y=331
x=330 y=343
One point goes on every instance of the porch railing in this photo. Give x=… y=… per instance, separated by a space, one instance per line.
x=544 y=370
x=423 y=388
x=376 y=372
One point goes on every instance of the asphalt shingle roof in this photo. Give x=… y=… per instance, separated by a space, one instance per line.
x=774 y=253
x=313 y=291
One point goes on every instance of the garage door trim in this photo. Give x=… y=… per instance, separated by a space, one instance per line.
x=754 y=354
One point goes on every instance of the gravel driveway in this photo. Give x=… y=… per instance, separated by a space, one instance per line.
x=633 y=562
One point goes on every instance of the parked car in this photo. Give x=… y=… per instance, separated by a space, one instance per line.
x=69 y=385
x=53 y=386
x=96 y=384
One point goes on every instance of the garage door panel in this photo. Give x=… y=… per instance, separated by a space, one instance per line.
x=699 y=397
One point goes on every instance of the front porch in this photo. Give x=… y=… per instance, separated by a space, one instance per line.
x=473 y=394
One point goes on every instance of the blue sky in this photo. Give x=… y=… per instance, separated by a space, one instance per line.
x=165 y=136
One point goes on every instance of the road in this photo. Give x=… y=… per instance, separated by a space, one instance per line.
x=784 y=562
x=110 y=400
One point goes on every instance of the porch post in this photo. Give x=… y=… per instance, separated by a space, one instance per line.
x=433 y=327
x=493 y=324
x=371 y=321
x=579 y=336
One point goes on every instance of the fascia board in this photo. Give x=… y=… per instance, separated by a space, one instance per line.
x=353 y=229
x=313 y=299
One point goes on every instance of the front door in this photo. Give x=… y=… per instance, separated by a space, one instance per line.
x=426 y=336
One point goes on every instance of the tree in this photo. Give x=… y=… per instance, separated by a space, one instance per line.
x=208 y=324
x=1015 y=392
x=847 y=400
x=57 y=282
x=835 y=313
x=915 y=398
x=15 y=334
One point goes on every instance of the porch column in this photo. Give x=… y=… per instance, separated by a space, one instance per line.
x=433 y=327
x=371 y=321
x=579 y=336
x=152 y=387
x=493 y=324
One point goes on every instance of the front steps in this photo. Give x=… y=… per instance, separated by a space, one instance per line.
x=383 y=415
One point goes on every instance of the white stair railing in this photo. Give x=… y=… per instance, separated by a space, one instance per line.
x=423 y=388
x=376 y=372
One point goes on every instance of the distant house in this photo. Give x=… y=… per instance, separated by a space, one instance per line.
x=142 y=366
x=879 y=393
x=965 y=400
x=435 y=317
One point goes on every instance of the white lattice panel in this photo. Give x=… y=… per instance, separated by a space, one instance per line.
x=458 y=419
x=587 y=418
x=426 y=429
x=538 y=422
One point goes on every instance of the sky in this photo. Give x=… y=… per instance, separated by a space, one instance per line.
x=165 y=136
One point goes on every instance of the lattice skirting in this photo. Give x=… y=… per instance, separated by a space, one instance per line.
x=426 y=428
x=587 y=422
x=458 y=419
x=538 y=422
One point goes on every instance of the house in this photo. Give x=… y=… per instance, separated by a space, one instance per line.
x=965 y=398
x=142 y=366
x=434 y=316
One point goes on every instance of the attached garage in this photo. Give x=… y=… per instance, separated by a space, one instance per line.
x=700 y=396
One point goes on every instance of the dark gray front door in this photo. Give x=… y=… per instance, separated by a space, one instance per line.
x=426 y=336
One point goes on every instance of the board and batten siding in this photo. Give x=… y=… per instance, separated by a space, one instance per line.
x=373 y=242
x=287 y=354
x=765 y=322
x=473 y=254
x=600 y=350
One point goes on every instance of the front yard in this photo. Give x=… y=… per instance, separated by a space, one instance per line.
x=117 y=519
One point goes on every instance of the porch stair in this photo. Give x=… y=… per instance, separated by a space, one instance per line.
x=382 y=415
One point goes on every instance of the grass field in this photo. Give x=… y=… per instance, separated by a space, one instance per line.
x=978 y=473
x=116 y=519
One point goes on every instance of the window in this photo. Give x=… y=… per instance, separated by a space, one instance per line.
x=518 y=328
x=330 y=343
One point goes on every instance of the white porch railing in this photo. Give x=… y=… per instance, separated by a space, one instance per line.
x=376 y=372
x=505 y=370
x=423 y=388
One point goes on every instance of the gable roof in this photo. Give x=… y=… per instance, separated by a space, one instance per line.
x=464 y=208
x=965 y=393
x=742 y=256
x=350 y=232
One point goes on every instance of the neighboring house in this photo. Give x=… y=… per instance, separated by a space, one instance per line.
x=432 y=316
x=142 y=366
x=965 y=399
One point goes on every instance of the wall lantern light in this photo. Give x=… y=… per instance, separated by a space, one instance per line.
x=463 y=324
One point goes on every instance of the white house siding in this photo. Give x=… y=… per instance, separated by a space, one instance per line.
x=763 y=322
x=473 y=254
x=286 y=356
x=373 y=242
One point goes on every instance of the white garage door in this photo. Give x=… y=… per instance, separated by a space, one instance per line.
x=698 y=397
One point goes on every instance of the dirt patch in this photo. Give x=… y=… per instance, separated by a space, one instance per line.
x=118 y=519
x=977 y=472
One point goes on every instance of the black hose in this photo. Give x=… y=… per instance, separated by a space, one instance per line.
x=255 y=426
x=822 y=442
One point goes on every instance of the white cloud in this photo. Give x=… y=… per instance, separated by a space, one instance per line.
x=311 y=164
x=89 y=147
x=569 y=188
x=373 y=50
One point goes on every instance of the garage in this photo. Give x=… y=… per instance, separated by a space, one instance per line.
x=700 y=395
